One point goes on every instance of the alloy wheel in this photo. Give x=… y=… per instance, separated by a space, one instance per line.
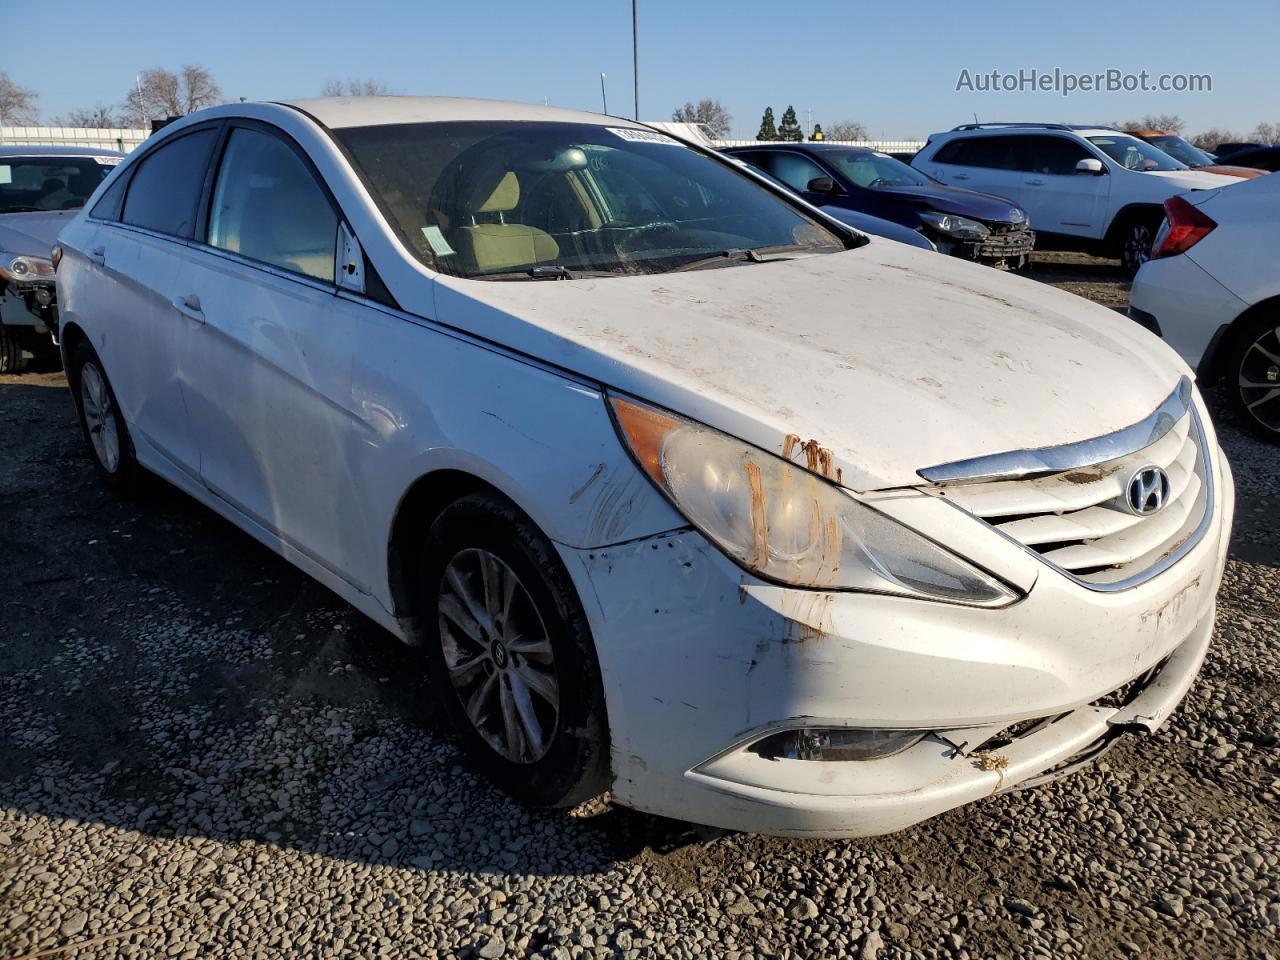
x=1258 y=379
x=1137 y=246
x=498 y=655
x=100 y=417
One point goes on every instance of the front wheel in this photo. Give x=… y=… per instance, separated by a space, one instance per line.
x=13 y=358
x=1253 y=376
x=513 y=660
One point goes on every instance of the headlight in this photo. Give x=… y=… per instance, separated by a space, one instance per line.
x=962 y=228
x=26 y=269
x=786 y=524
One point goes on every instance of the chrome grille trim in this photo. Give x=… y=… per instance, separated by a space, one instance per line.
x=1166 y=560
x=1021 y=464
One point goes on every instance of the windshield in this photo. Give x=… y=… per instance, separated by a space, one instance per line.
x=1180 y=149
x=866 y=168
x=50 y=183
x=500 y=198
x=1134 y=154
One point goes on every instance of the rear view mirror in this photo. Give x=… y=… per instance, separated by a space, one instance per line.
x=1090 y=165
x=821 y=185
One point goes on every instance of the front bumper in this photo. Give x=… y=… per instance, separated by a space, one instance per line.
x=1008 y=247
x=700 y=660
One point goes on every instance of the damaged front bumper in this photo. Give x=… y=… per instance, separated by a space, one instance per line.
x=1007 y=249
x=701 y=661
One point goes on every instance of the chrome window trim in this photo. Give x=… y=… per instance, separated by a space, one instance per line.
x=1166 y=561
x=1021 y=464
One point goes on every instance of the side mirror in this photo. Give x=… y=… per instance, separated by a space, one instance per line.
x=821 y=185
x=348 y=269
x=1090 y=165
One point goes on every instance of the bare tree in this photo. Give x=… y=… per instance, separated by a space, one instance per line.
x=846 y=130
x=160 y=93
x=713 y=116
x=1210 y=139
x=100 y=116
x=1154 y=121
x=355 y=88
x=17 y=104
x=1266 y=133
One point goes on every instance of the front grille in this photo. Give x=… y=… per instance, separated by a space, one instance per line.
x=1009 y=243
x=1077 y=519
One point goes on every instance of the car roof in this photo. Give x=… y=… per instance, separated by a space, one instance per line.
x=338 y=112
x=799 y=145
x=45 y=150
x=1037 y=129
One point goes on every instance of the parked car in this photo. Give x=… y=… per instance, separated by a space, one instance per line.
x=682 y=492
x=859 y=221
x=1212 y=290
x=1258 y=158
x=1085 y=188
x=958 y=222
x=40 y=190
x=1225 y=149
x=1195 y=158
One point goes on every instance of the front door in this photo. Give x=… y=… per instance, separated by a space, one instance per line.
x=271 y=377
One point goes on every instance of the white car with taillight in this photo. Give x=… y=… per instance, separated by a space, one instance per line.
x=1212 y=290
x=685 y=491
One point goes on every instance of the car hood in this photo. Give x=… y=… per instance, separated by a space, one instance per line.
x=1227 y=170
x=891 y=358
x=1190 y=179
x=32 y=234
x=964 y=203
x=881 y=228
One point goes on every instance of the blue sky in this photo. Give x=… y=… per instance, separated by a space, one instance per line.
x=891 y=66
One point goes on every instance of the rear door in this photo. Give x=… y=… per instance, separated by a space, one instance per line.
x=270 y=392
x=1057 y=197
x=986 y=163
x=135 y=260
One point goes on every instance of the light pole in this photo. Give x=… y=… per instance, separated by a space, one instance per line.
x=635 y=56
x=604 y=97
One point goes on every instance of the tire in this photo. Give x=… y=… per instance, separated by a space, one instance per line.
x=13 y=359
x=1253 y=357
x=1135 y=241
x=540 y=730
x=104 y=429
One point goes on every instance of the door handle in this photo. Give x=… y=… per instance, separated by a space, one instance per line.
x=189 y=306
x=960 y=176
x=98 y=255
x=1035 y=183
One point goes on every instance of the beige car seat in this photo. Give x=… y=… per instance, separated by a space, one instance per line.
x=497 y=245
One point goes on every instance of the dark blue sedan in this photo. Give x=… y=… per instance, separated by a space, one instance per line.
x=963 y=223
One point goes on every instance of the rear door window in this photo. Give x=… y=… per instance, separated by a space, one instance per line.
x=992 y=153
x=793 y=169
x=166 y=186
x=267 y=205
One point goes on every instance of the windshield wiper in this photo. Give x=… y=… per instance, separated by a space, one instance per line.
x=742 y=255
x=553 y=271
x=24 y=210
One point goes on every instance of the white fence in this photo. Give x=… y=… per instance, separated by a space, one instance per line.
x=123 y=139
x=884 y=146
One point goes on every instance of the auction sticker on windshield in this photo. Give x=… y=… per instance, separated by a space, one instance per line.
x=643 y=136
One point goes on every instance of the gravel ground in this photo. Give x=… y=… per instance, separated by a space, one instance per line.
x=203 y=754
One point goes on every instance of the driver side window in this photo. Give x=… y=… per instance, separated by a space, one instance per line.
x=793 y=169
x=269 y=207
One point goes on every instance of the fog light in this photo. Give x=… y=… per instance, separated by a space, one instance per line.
x=44 y=296
x=836 y=743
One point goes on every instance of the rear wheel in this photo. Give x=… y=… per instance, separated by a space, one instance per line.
x=1136 y=239
x=103 y=426
x=513 y=661
x=1252 y=374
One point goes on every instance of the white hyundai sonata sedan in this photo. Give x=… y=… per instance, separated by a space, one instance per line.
x=686 y=491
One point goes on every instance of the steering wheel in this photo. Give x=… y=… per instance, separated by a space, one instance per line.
x=876 y=182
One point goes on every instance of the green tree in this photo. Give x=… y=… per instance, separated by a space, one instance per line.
x=817 y=133
x=790 y=127
x=768 y=130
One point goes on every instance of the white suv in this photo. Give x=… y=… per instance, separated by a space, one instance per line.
x=1085 y=188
